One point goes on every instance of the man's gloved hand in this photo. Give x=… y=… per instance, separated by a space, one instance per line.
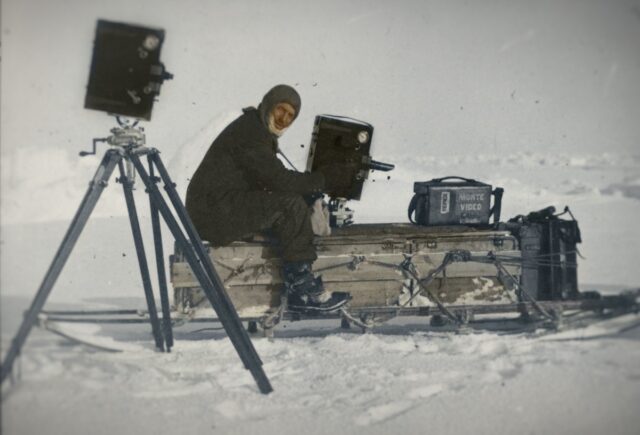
x=338 y=175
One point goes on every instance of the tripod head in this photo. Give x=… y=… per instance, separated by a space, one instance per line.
x=127 y=135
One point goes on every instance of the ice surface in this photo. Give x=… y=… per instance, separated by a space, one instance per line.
x=404 y=376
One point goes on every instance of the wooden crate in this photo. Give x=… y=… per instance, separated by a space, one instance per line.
x=360 y=259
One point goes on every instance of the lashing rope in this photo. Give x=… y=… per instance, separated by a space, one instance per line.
x=408 y=269
x=500 y=267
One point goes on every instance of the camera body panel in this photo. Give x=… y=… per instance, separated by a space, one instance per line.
x=338 y=139
x=126 y=72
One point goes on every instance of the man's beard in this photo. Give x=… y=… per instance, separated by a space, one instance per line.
x=272 y=127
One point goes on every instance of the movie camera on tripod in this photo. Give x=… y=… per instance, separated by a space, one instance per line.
x=125 y=78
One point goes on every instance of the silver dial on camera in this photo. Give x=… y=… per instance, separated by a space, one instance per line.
x=363 y=136
x=151 y=42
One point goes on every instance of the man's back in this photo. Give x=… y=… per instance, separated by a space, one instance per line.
x=222 y=170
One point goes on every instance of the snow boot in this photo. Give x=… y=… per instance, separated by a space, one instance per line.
x=306 y=292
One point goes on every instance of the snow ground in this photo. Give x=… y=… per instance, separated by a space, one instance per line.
x=403 y=378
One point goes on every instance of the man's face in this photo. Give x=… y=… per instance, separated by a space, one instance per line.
x=283 y=115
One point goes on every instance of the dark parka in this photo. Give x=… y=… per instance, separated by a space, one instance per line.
x=241 y=187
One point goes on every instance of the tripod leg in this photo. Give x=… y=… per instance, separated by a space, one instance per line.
x=197 y=242
x=162 y=277
x=127 y=186
x=96 y=186
x=213 y=289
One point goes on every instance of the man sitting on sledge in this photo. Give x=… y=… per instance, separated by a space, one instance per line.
x=241 y=188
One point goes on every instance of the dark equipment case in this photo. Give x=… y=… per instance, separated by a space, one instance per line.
x=549 y=253
x=454 y=201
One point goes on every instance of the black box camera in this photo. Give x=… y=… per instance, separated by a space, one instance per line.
x=126 y=72
x=337 y=139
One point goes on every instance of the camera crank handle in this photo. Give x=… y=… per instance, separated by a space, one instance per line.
x=93 y=150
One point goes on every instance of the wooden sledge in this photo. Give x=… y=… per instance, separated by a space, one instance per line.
x=457 y=277
x=371 y=261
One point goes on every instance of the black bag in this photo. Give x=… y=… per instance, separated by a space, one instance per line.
x=549 y=253
x=460 y=202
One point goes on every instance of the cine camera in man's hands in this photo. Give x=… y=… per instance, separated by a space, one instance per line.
x=340 y=150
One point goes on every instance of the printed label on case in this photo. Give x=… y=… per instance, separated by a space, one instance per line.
x=445 y=203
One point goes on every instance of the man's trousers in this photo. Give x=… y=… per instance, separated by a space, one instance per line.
x=286 y=216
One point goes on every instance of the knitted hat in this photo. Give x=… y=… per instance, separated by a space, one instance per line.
x=278 y=94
